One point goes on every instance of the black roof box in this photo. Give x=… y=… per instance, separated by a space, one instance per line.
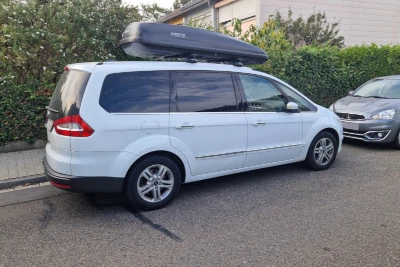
x=149 y=40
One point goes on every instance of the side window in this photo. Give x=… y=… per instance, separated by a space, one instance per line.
x=304 y=105
x=205 y=92
x=261 y=94
x=136 y=92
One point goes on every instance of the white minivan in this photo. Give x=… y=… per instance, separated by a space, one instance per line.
x=144 y=128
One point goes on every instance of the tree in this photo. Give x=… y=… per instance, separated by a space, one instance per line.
x=314 y=30
x=37 y=39
x=179 y=3
x=152 y=12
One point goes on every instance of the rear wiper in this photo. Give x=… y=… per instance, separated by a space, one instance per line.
x=52 y=109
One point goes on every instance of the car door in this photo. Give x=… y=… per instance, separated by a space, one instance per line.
x=207 y=126
x=274 y=135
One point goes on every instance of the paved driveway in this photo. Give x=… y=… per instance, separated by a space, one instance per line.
x=348 y=215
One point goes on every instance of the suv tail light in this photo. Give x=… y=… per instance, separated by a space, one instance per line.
x=72 y=126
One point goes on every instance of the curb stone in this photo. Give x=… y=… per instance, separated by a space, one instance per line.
x=21 y=146
x=33 y=179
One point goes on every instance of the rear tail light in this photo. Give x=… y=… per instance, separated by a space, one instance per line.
x=72 y=126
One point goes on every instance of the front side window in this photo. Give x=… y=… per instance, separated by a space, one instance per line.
x=136 y=92
x=261 y=94
x=205 y=92
x=304 y=105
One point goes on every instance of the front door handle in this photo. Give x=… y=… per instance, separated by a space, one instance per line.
x=259 y=123
x=184 y=125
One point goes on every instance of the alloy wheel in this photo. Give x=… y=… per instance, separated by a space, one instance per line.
x=155 y=183
x=324 y=151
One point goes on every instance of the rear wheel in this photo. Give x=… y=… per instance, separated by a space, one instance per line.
x=396 y=141
x=322 y=151
x=152 y=183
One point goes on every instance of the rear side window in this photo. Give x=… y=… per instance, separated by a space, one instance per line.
x=68 y=94
x=136 y=92
x=205 y=92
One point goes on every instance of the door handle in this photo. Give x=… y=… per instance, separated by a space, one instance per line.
x=184 y=125
x=259 y=123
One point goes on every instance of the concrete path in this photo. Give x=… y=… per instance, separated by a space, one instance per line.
x=22 y=167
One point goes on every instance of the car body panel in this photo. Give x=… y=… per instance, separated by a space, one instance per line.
x=273 y=137
x=210 y=145
x=205 y=150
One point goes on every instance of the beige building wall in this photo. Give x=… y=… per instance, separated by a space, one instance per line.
x=362 y=21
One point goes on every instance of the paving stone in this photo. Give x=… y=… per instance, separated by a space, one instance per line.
x=21 y=163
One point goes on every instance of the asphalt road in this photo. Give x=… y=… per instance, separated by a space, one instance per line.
x=348 y=215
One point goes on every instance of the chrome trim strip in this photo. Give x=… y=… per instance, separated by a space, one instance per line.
x=365 y=137
x=219 y=155
x=270 y=148
x=241 y=152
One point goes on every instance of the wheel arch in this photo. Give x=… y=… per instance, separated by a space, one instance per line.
x=162 y=153
x=332 y=131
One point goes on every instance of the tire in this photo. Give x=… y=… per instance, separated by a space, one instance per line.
x=152 y=183
x=396 y=141
x=322 y=152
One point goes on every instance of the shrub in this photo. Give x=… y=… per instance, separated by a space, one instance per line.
x=37 y=39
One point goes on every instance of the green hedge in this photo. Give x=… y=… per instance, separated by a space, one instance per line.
x=22 y=112
x=37 y=39
x=326 y=73
x=323 y=73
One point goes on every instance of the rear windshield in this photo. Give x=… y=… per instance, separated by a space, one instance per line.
x=67 y=96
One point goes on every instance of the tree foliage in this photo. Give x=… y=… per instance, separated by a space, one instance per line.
x=37 y=39
x=314 y=30
x=179 y=3
x=152 y=12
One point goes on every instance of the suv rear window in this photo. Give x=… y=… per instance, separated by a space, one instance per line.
x=68 y=94
x=136 y=92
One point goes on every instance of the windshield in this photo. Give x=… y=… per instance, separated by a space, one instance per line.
x=380 y=89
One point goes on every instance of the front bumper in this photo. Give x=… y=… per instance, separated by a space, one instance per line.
x=83 y=184
x=372 y=131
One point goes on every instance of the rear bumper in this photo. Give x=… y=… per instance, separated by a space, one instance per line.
x=83 y=184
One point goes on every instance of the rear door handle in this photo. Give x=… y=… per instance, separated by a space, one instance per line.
x=259 y=123
x=184 y=125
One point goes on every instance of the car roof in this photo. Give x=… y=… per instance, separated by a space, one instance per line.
x=391 y=77
x=126 y=66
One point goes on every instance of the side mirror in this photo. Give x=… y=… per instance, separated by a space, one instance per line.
x=292 y=107
x=351 y=93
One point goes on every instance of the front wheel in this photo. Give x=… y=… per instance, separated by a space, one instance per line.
x=322 y=151
x=396 y=141
x=152 y=183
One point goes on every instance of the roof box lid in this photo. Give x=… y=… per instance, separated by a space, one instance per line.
x=154 y=40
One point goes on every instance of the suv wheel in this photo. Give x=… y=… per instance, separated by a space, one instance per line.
x=322 y=151
x=153 y=183
x=396 y=141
